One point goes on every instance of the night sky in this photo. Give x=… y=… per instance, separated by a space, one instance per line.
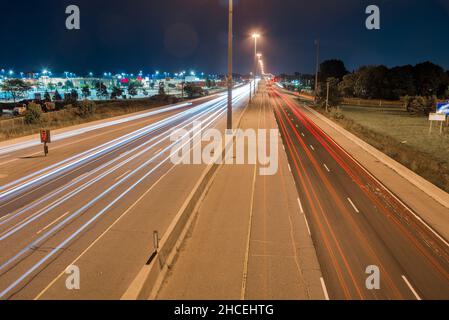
x=176 y=35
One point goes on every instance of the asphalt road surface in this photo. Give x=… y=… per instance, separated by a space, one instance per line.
x=95 y=201
x=356 y=224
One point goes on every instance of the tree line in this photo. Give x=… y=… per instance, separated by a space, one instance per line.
x=380 y=82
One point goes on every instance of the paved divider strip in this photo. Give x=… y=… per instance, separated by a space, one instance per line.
x=150 y=278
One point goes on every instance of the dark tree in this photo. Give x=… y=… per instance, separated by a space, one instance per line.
x=116 y=93
x=86 y=91
x=332 y=69
x=132 y=89
x=430 y=79
x=371 y=82
x=68 y=85
x=347 y=85
x=57 y=96
x=401 y=82
x=102 y=90
x=47 y=96
x=161 y=88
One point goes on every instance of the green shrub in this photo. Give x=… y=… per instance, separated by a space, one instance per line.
x=86 y=108
x=33 y=113
x=418 y=105
x=336 y=113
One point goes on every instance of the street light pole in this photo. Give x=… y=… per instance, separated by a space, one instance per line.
x=317 y=43
x=255 y=36
x=230 y=39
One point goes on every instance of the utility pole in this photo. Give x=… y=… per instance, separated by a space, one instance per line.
x=327 y=95
x=317 y=43
x=230 y=39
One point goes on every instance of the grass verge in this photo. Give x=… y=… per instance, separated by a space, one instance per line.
x=402 y=137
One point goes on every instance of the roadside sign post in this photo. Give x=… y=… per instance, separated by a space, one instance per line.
x=439 y=118
x=45 y=138
x=441 y=115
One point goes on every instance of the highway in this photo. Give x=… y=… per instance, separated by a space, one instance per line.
x=95 y=201
x=355 y=221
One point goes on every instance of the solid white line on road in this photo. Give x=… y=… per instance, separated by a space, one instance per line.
x=300 y=205
x=411 y=288
x=307 y=225
x=353 y=205
x=289 y=168
x=328 y=170
x=312 y=147
x=250 y=223
x=323 y=285
x=122 y=175
x=4 y=217
x=48 y=226
x=6 y=162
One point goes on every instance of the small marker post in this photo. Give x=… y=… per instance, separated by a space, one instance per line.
x=45 y=138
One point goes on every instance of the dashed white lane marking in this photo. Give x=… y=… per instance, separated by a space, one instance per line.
x=300 y=205
x=289 y=168
x=328 y=170
x=411 y=288
x=122 y=175
x=353 y=205
x=302 y=133
x=323 y=285
x=49 y=225
x=307 y=225
x=311 y=147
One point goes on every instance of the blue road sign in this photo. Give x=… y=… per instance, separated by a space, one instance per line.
x=443 y=107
